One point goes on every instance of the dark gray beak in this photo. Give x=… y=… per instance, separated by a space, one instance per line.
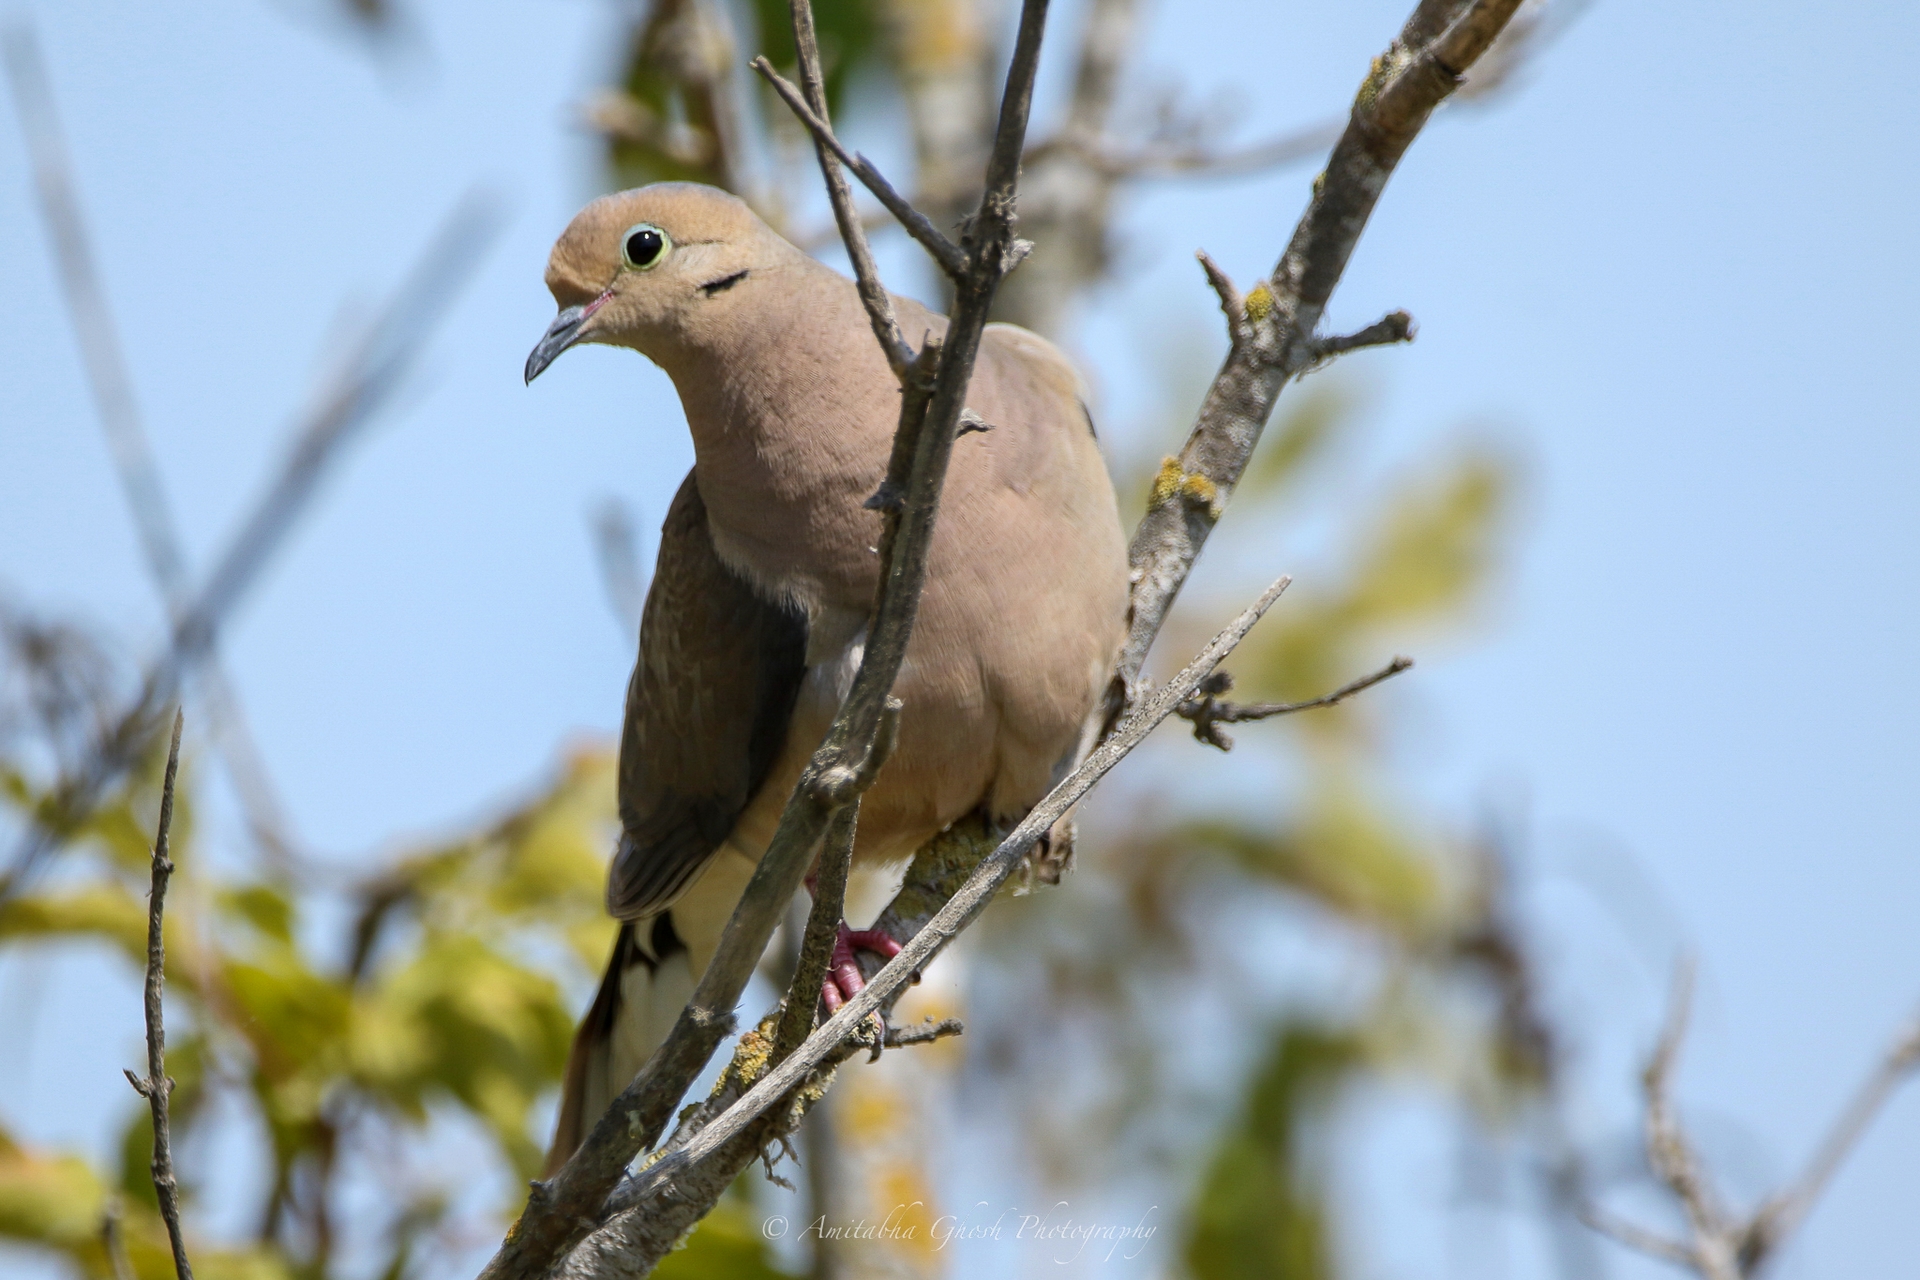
x=561 y=334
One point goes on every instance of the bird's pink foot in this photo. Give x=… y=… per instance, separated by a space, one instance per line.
x=843 y=971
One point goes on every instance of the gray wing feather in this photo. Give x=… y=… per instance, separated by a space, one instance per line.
x=708 y=707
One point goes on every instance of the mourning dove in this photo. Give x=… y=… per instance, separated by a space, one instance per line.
x=755 y=621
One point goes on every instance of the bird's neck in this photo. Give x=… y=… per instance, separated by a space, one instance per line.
x=792 y=410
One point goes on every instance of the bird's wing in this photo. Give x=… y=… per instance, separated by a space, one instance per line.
x=708 y=706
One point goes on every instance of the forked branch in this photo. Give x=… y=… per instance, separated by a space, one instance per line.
x=1721 y=1245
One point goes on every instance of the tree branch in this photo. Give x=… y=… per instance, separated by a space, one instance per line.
x=926 y=1033
x=156 y=1087
x=1205 y=712
x=1395 y=326
x=1441 y=39
x=1722 y=1246
x=1671 y=1153
x=944 y=251
x=1780 y=1215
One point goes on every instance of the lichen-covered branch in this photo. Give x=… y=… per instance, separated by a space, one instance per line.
x=1277 y=339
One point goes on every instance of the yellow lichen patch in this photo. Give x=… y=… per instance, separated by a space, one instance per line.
x=1167 y=483
x=1370 y=87
x=1259 y=303
x=1201 y=491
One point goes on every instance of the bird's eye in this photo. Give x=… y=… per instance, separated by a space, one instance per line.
x=644 y=245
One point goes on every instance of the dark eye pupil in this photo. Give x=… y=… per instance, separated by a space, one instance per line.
x=643 y=247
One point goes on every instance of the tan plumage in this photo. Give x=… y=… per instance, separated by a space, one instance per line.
x=767 y=571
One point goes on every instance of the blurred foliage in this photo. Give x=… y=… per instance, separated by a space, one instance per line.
x=1260 y=1212
x=441 y=999
x=675 y=112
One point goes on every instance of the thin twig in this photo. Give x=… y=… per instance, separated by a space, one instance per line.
x=1784 y=1212
x=1232 y=305
x=1395 y=326
x=1669 y=1150
x=945 y=252
x=1206 y=712
x=926 y=1033
x=156 y=1087
x=853 y=233
x=113 y=1239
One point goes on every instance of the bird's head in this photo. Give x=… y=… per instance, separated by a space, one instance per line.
x=645 y=268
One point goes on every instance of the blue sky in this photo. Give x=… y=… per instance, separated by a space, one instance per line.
x=1674 y=272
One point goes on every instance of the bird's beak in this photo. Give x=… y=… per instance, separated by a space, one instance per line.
x=561 y=334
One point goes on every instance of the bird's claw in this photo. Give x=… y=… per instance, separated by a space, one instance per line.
x=843 y=971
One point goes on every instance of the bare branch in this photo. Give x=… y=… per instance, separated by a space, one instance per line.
x=853 y=234
x=1441 y=39
x=926 y=1033
x=156 y=1087
x=1671 y=1153
x=1781 y=1214
x=1723 y=1247
x=1395 y=326
x=113 y=1239
x=949 y=255
x=1205 y=712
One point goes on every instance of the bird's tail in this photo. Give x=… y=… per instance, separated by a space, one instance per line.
x=649 y=979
